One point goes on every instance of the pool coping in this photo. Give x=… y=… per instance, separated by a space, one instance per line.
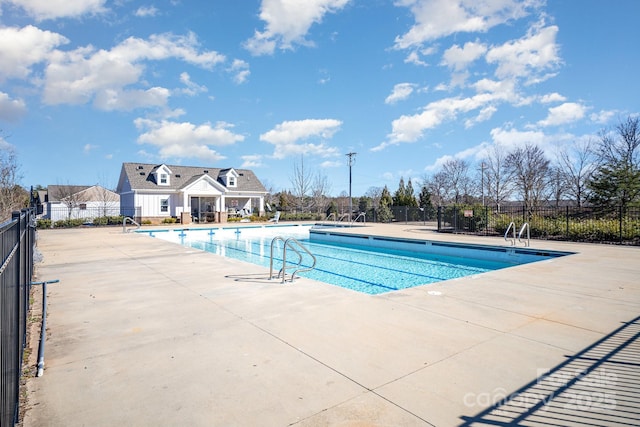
x=202 y=340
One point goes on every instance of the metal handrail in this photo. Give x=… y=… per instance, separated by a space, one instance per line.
x=288 y=243
x=343 y=216
x=512 y=225
x=332 y=214
x=361 y=214
x=528 y=228
x=124 y=223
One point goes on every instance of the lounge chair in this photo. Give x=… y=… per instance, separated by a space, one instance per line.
x=276 y=218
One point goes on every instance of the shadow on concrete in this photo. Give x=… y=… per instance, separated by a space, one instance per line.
x=599 y=386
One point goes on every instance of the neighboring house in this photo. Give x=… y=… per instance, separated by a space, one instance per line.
x=203 y=194
x=62 y=202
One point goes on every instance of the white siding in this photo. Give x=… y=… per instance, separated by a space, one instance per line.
x=150 y=204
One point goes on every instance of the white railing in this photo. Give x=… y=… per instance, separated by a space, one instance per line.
x=124 y=223
x=525 y=226
x=512 y=227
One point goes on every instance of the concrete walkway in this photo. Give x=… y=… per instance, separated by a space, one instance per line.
x=147 y=333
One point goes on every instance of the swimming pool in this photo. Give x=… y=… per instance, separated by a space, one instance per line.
x=363 y=263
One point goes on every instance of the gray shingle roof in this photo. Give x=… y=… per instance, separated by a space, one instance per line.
x=141 y=177
x=57 y=192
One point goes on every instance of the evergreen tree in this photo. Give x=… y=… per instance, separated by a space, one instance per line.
x=400 y=194
x=409 y=196
x=385 y=197
x=364 y=204
x=384 y=213
x=425 y=201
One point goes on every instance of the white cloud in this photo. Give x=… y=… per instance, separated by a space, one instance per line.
x=145 y=11
x=252 y=161
x=186 y=140
x=602 y=116
x=11 y=110
x=459 y=58
x=287 y=135
x=414 y=58
x=78 y=76
x=240 y=70
x=331 y=164
x=565 y=113
x=21 y=48
x=191 y=88
x=288 y=22
x=128 y=100
x=440 y=18
x=527 y=58
x=513 y=138
x=400 y=92
x=410 y=128
x=52 y=9
x=88 y=148
x=552 y=97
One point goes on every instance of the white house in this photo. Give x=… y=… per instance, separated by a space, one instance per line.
x=79 y=202
x=155 y=192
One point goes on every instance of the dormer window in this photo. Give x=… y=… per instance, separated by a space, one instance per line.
x=162 y=175
x=229 y=178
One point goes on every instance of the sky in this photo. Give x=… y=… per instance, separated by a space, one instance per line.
x=271 y=85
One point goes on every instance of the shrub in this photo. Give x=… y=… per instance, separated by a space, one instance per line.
x=68 y=223
x=169 y=221
x=43 y=223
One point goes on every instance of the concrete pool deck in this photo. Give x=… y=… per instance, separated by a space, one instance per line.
x=142 y=332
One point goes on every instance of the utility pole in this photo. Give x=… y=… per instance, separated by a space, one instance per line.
x=352 y=160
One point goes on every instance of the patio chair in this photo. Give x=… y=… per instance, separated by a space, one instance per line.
x=276 y=218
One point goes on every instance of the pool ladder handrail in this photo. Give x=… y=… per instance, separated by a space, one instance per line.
x=124 y=223
x=362 y=215
x=512 y=226
x=527 y=243
x=289 y=243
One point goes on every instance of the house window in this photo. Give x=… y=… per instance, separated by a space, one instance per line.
x=83 y=206
x=164 y=179
x=232 y=181
x=164 y=205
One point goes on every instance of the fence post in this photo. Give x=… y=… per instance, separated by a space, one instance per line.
x=567 y=221
x=439 y=218
x=620 y=222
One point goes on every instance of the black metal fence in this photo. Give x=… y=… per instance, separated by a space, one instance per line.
x=17 y=239
x=585 y=224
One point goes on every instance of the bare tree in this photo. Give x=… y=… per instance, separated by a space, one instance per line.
x=301 y=183
x=437 y=185
x=319 y=192
x=557 y=185
x=374 y=193
x=497 y=176
x=72 y=196
x=577 y=163
x=107 y=199
x=530 y=171
x=11 y=194
x=456 y=175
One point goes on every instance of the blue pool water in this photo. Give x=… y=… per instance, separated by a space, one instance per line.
x=353 y=263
